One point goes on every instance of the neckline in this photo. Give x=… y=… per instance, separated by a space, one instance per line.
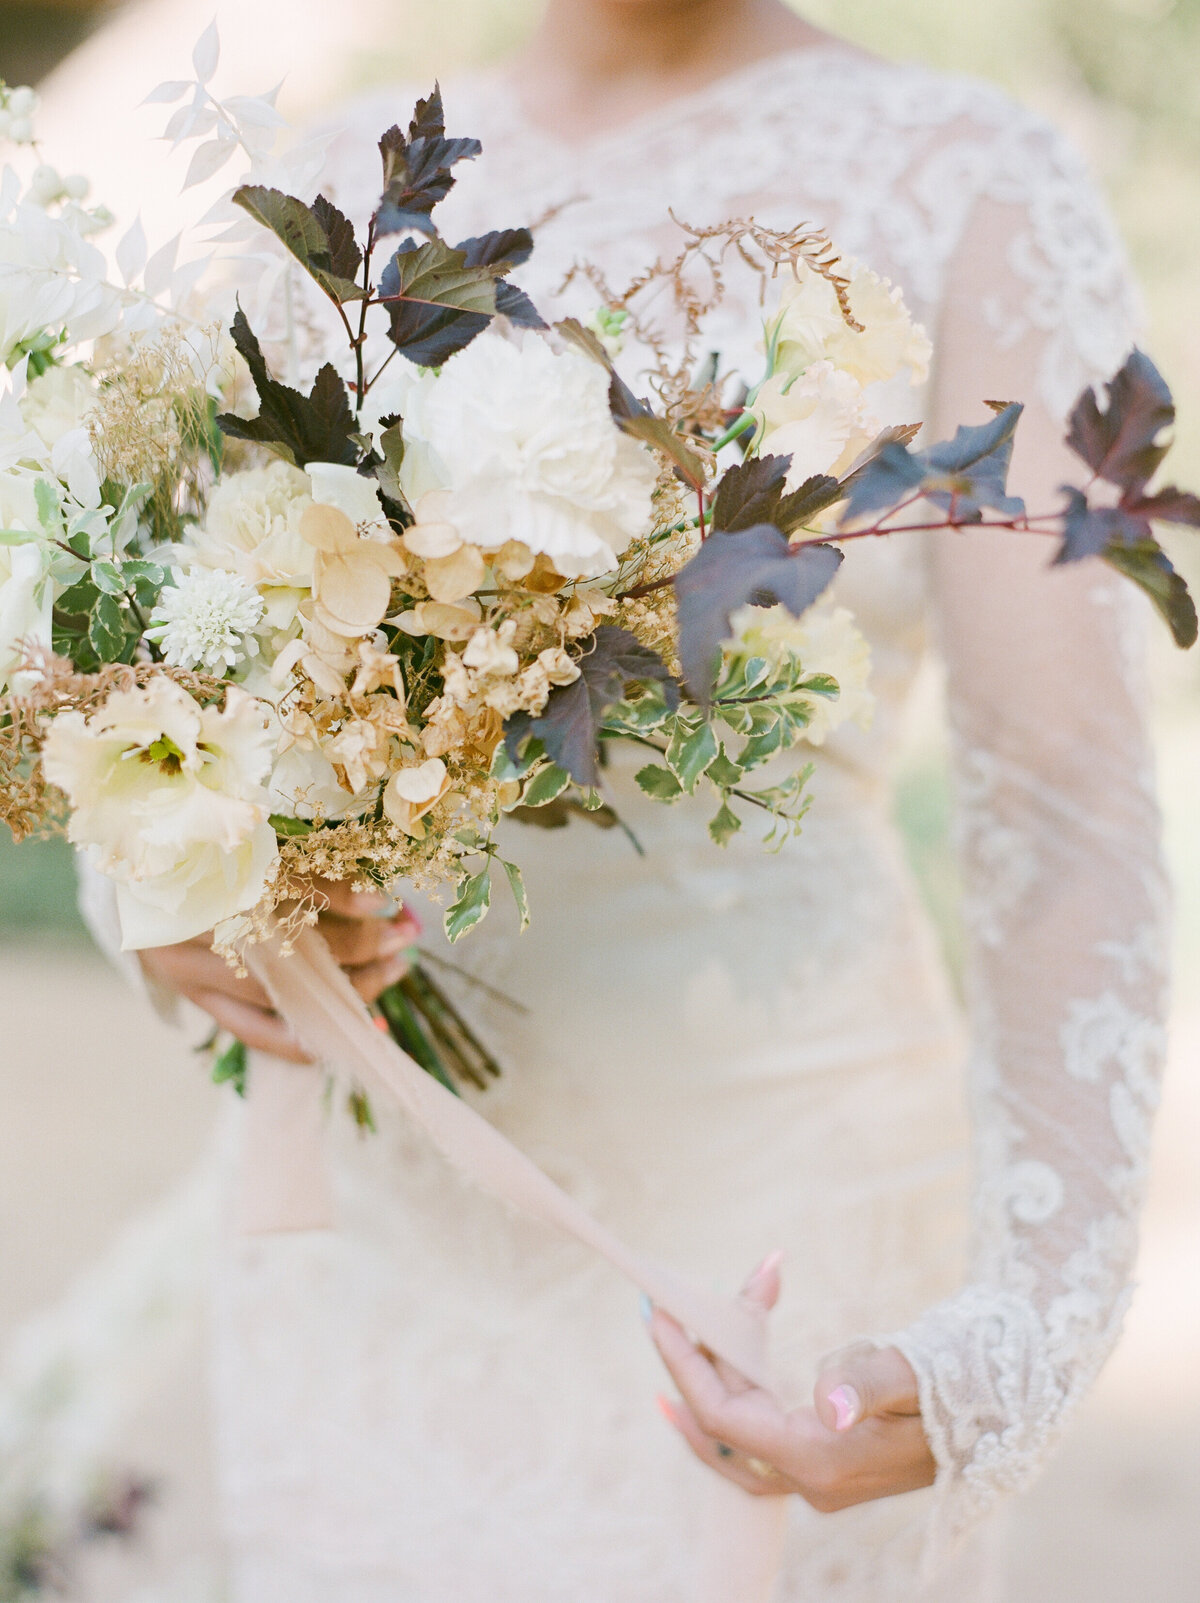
x=677 y=108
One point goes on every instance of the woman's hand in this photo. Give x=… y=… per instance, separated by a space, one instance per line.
x=862 y=1440
x=369 y=946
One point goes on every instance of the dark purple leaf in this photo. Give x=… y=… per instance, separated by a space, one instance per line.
x=1171 y=506
x=514 y=304
x=802 y=505
x=962 y=475
x=568 y=727
x=1150 y=569
x=319 y=427
x=1121 y=442
x=750 y=493
x=417 y=169
x=436 y=302
x=302 y=230
x=755 y=566
x=507 y=246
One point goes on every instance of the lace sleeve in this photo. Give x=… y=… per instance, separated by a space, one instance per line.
x=1065 y=900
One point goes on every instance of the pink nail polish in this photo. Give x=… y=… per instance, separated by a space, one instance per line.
x=665 y=1409
x=847 y=1406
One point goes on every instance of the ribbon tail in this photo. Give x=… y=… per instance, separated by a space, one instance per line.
x=744 y=1539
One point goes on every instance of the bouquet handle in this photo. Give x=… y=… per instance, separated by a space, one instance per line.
x=287 y=1187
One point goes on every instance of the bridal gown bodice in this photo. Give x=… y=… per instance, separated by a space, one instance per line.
x=722 y=1052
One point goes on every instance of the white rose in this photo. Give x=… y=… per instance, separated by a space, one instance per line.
x=810 y=328
x=522 y=440
x=58 y=401
x=252 y=528
x=824 y=641
x=26 y=594
x=170 y=801
x=336 y=485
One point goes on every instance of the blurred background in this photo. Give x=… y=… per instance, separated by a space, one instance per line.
x=102 y=1107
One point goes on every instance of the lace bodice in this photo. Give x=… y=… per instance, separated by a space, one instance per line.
x=990 y=224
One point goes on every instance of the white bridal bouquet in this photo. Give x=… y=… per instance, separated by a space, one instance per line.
x=253 y=634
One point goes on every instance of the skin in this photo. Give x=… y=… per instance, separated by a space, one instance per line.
x=591 y=65
x=363 y=931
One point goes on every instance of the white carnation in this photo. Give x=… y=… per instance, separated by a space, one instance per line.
x=816 y=418
x=521 y=439
x=206 y=620
x=823 y=641
x=169 y=799
x=809 y=327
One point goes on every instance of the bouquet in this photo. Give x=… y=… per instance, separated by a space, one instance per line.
x=256 y=632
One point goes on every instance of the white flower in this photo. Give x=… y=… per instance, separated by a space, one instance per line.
x=336 y=485
x=57 y=402
x=206 y=620
x=816 y=418
x=491 y=650
x=51 y=281
x=521 y=439
x=823 y=641
x=25 y=588
x=170 y=801
x=809 y=327
x=252 y=527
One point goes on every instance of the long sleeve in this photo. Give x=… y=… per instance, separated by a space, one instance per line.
x=1065 y=901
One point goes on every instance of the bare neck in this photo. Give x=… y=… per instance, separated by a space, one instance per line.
x=594 y=62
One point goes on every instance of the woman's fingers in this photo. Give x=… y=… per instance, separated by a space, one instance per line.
x=339 y=897
x=372 y=979
x=355 y=942
x=260 y=1030
x=753 y=1476
x=193 y=967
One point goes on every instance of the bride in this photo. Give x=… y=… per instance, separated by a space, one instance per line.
x=724 y=1052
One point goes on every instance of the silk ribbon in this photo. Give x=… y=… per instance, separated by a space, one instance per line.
x=286 y=1187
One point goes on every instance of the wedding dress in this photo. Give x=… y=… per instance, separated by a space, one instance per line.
x=728 y=1051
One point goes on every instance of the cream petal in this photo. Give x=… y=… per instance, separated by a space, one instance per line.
x=455 y=577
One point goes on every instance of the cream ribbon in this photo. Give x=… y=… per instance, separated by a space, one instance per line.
x=286 y=1187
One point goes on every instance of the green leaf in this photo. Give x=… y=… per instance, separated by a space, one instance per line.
x=305 y=231
x=764 y=744
x=722 y=771
x=18 y=536
x=516 y=884
x=545 y=785
x=659 y=782
x=288 y=827
x=387 y=472
x=108 y=577
x=689 y=755
x=725 y=825
x=436 y=302
x=473 y=900
x=1150 y=569
x=49 y=506
x=230 y=1066
x=106 y=629
x=151 y=572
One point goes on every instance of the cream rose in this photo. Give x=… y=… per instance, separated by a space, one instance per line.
x=810 y=328
x=169 y=799
x=252 y=528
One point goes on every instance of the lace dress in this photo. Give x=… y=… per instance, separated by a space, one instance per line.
x=729 y=1051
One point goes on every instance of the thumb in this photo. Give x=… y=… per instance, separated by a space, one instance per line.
x=864 y=1382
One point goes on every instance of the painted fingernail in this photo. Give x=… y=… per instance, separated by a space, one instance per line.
x=645 y=1307
x=664 y=1407
x=770 y=1265
x=846 y=1405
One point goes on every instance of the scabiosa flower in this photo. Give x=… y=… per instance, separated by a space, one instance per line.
x=206 y=621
